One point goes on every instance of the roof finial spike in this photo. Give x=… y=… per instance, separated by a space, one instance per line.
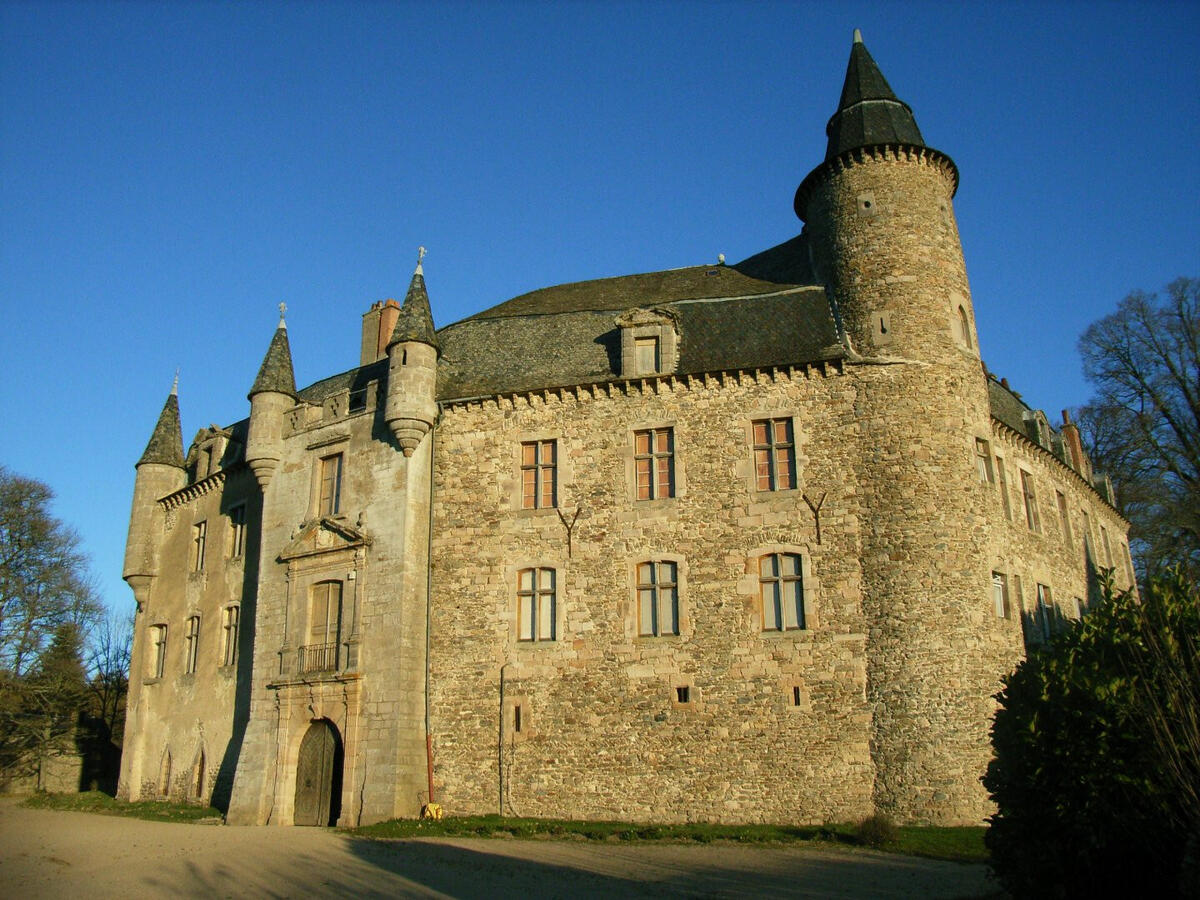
x=857 y=36
x=175 y=383
x=420 y=256
x=282 y=310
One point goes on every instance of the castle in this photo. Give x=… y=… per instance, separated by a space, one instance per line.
x=734 y=543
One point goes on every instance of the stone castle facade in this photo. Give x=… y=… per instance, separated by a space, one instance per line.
x=735 y=543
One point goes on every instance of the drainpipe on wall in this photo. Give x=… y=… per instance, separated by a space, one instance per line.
x=429 y=606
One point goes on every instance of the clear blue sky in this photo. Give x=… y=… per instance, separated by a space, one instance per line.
x=170 y=172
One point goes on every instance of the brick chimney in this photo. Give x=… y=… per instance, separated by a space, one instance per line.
x=1070 y=433
x=378 y=323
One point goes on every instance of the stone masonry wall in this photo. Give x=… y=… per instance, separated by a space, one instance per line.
x=603 y=734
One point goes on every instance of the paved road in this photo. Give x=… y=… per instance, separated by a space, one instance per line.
x=46 y=853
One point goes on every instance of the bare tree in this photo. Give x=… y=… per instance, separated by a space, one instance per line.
x=1142 y=426
x=108 y=673
x=44 y=578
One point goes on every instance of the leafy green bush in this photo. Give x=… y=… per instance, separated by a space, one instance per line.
x=1096 y=774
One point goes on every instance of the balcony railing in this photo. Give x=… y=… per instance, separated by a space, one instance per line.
x=319 y=658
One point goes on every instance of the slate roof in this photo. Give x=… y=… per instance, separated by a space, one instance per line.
x=415 y=321
x=166 y=441
x=276 y=372
x=766 y=311
x=869 y=113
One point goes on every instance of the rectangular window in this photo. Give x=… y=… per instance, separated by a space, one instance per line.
x=1064 y=516
x=654 y=462
x=774 y=455
x=331 y=486
x=1003 y=481
x=1106 y=546
x=535 y=605
x=158 y=644
x=539 y=474
x=781 y=589
x=1031 y=510
x=1000 y=595
x=237 y=531
x=229 y=626
x=199 y=535
x=1045 y=610
x=1087 y=533
x=1128 y=558
x=983 y=461
x=648 y=359
x=320 y=654
x=193 y=644
x=658 y=599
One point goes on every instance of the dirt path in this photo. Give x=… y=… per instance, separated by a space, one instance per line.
x=45 y=853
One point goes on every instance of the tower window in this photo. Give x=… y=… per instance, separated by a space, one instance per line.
x=320 y=654
x=158 y=644
x=199 y=537
x=983 y=461
x=237 y=531
x=229 y=625
x=330 y=502
x=193 y=644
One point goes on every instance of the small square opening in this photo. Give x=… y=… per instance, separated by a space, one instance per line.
x=683 y=694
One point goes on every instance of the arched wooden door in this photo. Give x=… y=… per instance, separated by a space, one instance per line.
x=319 y=776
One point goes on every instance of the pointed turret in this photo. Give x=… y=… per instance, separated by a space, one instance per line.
x=166 y=442
x=276 y=373
x=160 y=471
x=273 y=394
x=869 y=113
x=869 y=117
x=412 y=366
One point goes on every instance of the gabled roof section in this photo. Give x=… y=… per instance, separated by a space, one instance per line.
x=276 y=372
x=415 y=322
x=869 y=113
x=646 y=289
x=166 y=443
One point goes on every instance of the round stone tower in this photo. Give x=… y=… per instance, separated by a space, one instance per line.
x=883 y=240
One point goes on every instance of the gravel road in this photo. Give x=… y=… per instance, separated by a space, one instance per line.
x=48 y=853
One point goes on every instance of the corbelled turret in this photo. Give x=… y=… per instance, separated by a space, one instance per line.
x=273 y=394
x=160 y=471
x=412 y=367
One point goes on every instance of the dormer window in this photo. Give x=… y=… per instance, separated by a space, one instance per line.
x=648 y=359
x=649 y=342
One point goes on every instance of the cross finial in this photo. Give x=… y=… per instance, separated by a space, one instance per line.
x=282 y=310
x=420 y=256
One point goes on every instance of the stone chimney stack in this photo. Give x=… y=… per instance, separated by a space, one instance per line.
x=1070 y=433
x=378 y=323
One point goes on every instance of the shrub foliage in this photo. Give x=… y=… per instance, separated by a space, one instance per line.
x=1096 y=775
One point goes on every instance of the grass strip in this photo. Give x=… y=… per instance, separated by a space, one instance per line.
x=97 y=802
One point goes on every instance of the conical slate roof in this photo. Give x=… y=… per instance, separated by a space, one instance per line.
x=276 y=373
x=869 y=113
x=166 y=443
x=415 y=322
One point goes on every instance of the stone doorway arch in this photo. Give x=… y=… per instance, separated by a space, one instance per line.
x=319 y=775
